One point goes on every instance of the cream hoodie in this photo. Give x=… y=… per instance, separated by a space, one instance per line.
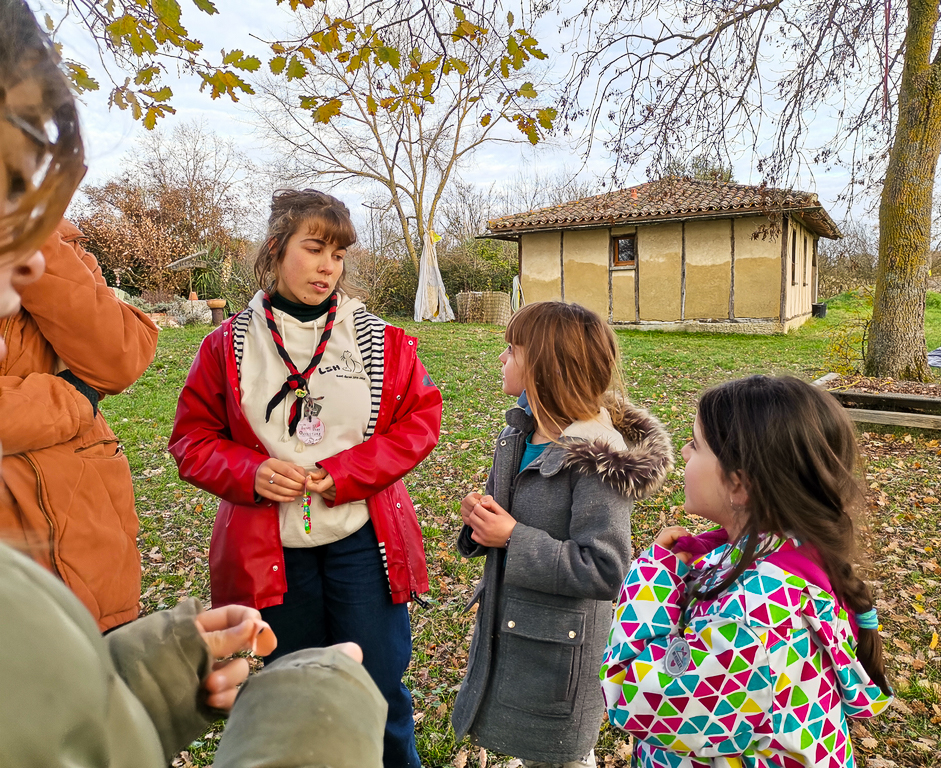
x=342 y=382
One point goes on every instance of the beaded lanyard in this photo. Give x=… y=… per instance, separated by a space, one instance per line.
x=306 y=511
x=296 y=380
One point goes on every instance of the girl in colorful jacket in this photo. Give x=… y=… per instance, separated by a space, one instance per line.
x=752 y=644
x=555 y=527
x=302 y=414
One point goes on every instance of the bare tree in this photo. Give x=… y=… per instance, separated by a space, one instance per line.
x=531 y=188
x=406 y=128
x=675 y=76
x=180 y=194
x=851 y=262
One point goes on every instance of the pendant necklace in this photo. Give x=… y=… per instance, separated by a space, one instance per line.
x=304 y=418
x=310 y=429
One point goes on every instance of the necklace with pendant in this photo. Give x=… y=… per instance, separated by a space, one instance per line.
x=310 y=429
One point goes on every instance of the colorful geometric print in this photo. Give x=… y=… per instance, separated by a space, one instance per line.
x=771 y=679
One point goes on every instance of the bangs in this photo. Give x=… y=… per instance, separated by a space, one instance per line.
x=331 y=226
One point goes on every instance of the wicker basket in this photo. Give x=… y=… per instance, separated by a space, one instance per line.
x=491 y=307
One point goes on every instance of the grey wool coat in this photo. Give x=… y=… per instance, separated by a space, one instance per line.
x=545 y=603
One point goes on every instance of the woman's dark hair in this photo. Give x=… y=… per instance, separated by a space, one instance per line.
x=795 y=450
x=41 y=153
x=292 y=209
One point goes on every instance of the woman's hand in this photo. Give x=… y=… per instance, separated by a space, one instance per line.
x=319 y=481
x=491 y=523
x=668 y=537
x=279 y=480
x=226 y=631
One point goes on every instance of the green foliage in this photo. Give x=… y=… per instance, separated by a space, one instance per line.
x=848 y=340
x=230 y=277
x=479 y=265
x=392 y=282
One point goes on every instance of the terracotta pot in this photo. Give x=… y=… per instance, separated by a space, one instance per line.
x=193 y=296
x=215 y=303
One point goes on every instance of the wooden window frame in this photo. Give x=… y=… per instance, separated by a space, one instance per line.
x=615 y=251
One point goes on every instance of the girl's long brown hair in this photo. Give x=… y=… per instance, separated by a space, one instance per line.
x=796 y=451
x=34 y=96
x=570 y=358
x=292 y=209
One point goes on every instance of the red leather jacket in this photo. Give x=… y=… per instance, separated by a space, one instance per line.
x=217 y=450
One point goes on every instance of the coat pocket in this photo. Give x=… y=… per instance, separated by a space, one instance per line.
x=539 y=658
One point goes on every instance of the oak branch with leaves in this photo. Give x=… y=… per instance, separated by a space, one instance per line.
x=146 y=37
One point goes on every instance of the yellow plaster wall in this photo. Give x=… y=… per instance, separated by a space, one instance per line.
x=800 y=296
x=708 y=269
x=659 y=256
x=586 y=268
x=622 y=296
x=541 y=276
x=757 y=271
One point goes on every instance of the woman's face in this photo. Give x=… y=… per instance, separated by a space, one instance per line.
x=311 y=267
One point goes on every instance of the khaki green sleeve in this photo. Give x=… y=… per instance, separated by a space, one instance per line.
x=163 y=660
x=315 y=707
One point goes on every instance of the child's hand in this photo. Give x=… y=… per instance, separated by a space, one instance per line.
x=279 y=480
x=491 y=523
x=470 y=501
x=668 y=537
x=226 y=631
x=320 y=481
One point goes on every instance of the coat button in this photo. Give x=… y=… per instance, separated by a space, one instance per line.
x=410 y=343
x=398 y=505
x=398 y=397
x=503 y=442
x=511 y=624
x=572 y=633
x=274 y=567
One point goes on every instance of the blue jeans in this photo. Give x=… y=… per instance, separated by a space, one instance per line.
x=338 y=593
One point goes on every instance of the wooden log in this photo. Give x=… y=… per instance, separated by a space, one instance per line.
x=917 y=420
x=888 y=401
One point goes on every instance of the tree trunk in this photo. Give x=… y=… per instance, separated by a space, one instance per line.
x=897 y=333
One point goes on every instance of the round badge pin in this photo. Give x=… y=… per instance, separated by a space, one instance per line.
x=676 y=660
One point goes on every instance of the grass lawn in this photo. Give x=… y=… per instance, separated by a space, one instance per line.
x=663 y=372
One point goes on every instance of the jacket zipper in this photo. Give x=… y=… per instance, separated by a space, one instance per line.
x=52 y=538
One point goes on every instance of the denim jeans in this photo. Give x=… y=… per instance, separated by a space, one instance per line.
x=338 y=593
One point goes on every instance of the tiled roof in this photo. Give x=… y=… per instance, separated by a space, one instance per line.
x=670 y=198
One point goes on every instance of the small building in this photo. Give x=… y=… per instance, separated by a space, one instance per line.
x=677 y=254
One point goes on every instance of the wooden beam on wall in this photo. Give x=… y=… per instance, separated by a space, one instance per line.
x=784 y=266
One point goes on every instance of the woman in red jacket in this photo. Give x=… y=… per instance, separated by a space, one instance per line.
x=302 y=414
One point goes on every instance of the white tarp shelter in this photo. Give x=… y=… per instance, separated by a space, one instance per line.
x=431 y=299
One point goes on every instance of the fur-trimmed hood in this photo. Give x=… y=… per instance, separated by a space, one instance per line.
x=632 y=451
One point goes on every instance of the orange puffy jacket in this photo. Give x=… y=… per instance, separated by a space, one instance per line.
x=70 y=501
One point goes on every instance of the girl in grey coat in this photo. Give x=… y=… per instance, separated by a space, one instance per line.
x=555 y=528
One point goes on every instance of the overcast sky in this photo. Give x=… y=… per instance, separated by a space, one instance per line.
x=111 y=134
